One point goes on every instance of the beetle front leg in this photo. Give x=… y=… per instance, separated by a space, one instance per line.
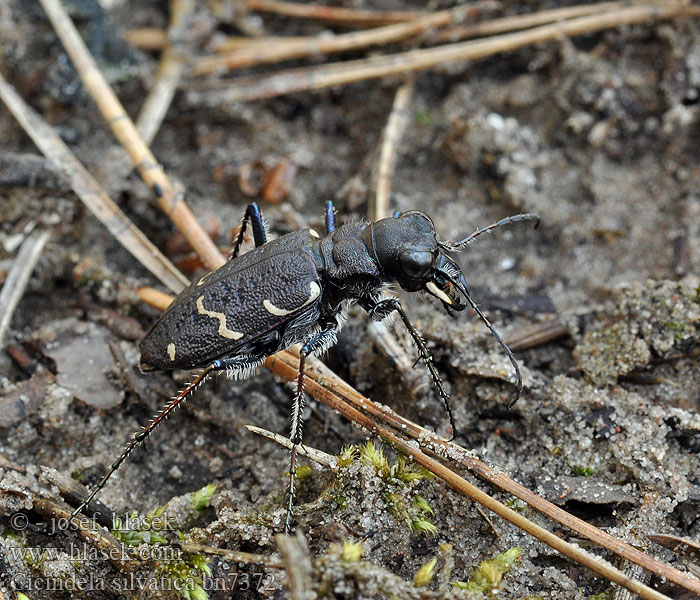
x=330 y=217
x=318 y=343
x=379 y=310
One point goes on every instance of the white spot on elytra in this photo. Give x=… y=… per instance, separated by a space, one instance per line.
x=223 y=331
x=314 y=233
x=201 y=280
x=171 y=351
x=315 y=292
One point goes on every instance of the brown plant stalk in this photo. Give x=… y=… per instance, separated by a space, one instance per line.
x=169 y=199
x=332 y=74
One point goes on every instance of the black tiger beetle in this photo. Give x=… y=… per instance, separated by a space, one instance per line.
x=296 y=290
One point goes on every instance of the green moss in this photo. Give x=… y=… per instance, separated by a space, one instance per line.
x=348 y=455
x=423 y=118
x=583 y=471
x=186 y=575
x=425 y=574
x=486 y=578
x=422 y=505
x=304 y=472
x=374 y=457
x=351 y=552
x=148 y=532
x=202 y=498
x=423 y=526
x=396 y=478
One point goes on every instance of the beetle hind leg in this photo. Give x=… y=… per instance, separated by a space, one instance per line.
x=239 y=366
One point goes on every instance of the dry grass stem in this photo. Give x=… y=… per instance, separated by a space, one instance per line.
x=518 y=22
x=18 y=277
x=116 y=164
x=331 y=14
x=314 y=78
x=170 y=70
x=147 y=38
x=379 y=332
x=297 y=565
x=322 y=458
x=154 y=297
x=98 y=538
x=169 y=200
x=325 y=378
x=233 y=555
x=90 y=192
x=279 y=49
x=239 y=54
x=391 y=137
x=536 y=335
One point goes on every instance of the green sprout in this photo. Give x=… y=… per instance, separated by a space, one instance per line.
x=425 y=574
x=202 y=497
x=351 y=552
x=486 y=578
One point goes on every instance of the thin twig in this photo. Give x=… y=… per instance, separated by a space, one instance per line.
x=536 y=335
x=238 y=54
x=297 y=565
x=116 y=163
x=328 y=388
x=90 y=192
x=154 y=298
x=170 y=69
x=378 y=331
x=279 y=49
x=322 y=458
x=169 y=200
x=393 y=132
x=99 y=538
x=314 y=78
x=147 y=38
x=233 y=555
x=356 y=18
x=18 y=277
x=518 y=22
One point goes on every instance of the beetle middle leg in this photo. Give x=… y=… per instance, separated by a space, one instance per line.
x=317 y=344
x=253 y=215
x=378 y=310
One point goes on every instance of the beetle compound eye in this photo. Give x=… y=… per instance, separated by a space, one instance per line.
x=416 y=263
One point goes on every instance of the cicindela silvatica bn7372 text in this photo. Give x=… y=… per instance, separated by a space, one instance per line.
x=296 y=290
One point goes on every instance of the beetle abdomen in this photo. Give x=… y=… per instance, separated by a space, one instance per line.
x=234 y=305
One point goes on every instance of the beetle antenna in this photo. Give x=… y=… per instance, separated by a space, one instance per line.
x=506 y=221
x=141 y=436
x=463 y=288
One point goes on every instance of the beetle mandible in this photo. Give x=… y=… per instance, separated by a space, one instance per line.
x=297 y=289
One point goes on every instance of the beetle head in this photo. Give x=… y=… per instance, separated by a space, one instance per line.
x=408 y=252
